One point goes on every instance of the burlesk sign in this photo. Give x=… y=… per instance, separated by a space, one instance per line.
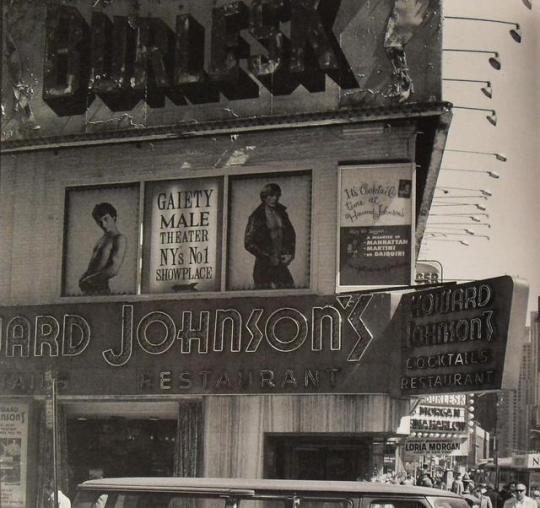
x=256 y=345
x=463 y=337
x=88 y=66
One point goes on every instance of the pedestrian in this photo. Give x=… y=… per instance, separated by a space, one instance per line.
x=495 y=497
x=536 y=496
x=408 y=480
x=457 y=484
x=468 y=484
x=485 y=502
x=508 y=491
x=425 y=479
x=521 y=500
x=63 y=500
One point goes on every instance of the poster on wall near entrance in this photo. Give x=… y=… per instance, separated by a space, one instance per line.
x=101 y=238
x=375 y=233
x=269 y=231
x=182 y=235
x=13 y=454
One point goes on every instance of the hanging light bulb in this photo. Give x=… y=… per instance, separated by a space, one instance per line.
x=499 y=156
x=491 y=117
x=515 y=32
x=494 y=59
x=492 y=174
x=486 y=89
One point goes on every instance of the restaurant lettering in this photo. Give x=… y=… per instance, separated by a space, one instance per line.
x=125 y=60
x=451 y=338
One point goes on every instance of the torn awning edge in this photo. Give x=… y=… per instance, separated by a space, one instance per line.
x=190 y=130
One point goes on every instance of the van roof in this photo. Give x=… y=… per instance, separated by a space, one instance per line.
x=253 y=487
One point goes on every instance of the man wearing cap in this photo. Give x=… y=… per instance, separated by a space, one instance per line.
x=521 y=500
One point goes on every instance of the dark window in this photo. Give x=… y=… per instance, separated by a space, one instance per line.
x=316 y=458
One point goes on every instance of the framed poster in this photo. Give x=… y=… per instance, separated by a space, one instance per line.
x=376 y=230
x=269 y=231
x=182 y=235
x=101 y=239
x=13 y=453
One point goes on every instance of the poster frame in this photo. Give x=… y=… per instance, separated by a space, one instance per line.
x=70 y=189
x=340 y=288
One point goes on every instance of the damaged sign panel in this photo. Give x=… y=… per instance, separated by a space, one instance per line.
x=90 y=66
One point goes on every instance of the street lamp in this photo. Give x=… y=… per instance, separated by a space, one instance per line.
x=474 y=233
x=476 y=205
x=491 y=117
x=446 y=189
x=456 y=214
x=515 y=32
x=499 y=156
x=462 y=223
x=462 y=196
x=448 y=233
x=462 y=242
x=486 y=89
x=493 y=60
x=492 y=174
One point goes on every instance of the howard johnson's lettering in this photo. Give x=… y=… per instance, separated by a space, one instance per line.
x=454 y=337
x=199 y=346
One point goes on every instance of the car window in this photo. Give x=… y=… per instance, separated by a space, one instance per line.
x=448 y=502
x=327 y=503
x=395 y=503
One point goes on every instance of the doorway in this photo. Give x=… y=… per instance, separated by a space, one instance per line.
x=304 y=457
x=116 y=446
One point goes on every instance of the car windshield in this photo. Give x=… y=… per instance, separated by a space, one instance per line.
x=93 y=499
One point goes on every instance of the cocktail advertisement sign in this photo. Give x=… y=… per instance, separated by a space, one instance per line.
x=375 y=226
x=13 y=451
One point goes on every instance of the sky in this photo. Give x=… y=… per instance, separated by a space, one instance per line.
x=513 y=208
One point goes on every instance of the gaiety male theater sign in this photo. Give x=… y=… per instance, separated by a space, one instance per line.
x=70 y=67
x=296 y=344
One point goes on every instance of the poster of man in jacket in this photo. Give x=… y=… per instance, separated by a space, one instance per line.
x=269 y=231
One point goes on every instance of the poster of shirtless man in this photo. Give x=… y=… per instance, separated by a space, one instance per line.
x=101 y=239
x=108 y=253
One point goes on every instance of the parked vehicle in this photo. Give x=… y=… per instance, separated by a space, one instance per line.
x=250 y=493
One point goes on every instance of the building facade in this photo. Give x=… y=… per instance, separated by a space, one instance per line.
x=193 y=203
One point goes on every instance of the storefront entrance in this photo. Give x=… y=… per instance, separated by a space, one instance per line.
x=317 y=458
x=112 y=445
